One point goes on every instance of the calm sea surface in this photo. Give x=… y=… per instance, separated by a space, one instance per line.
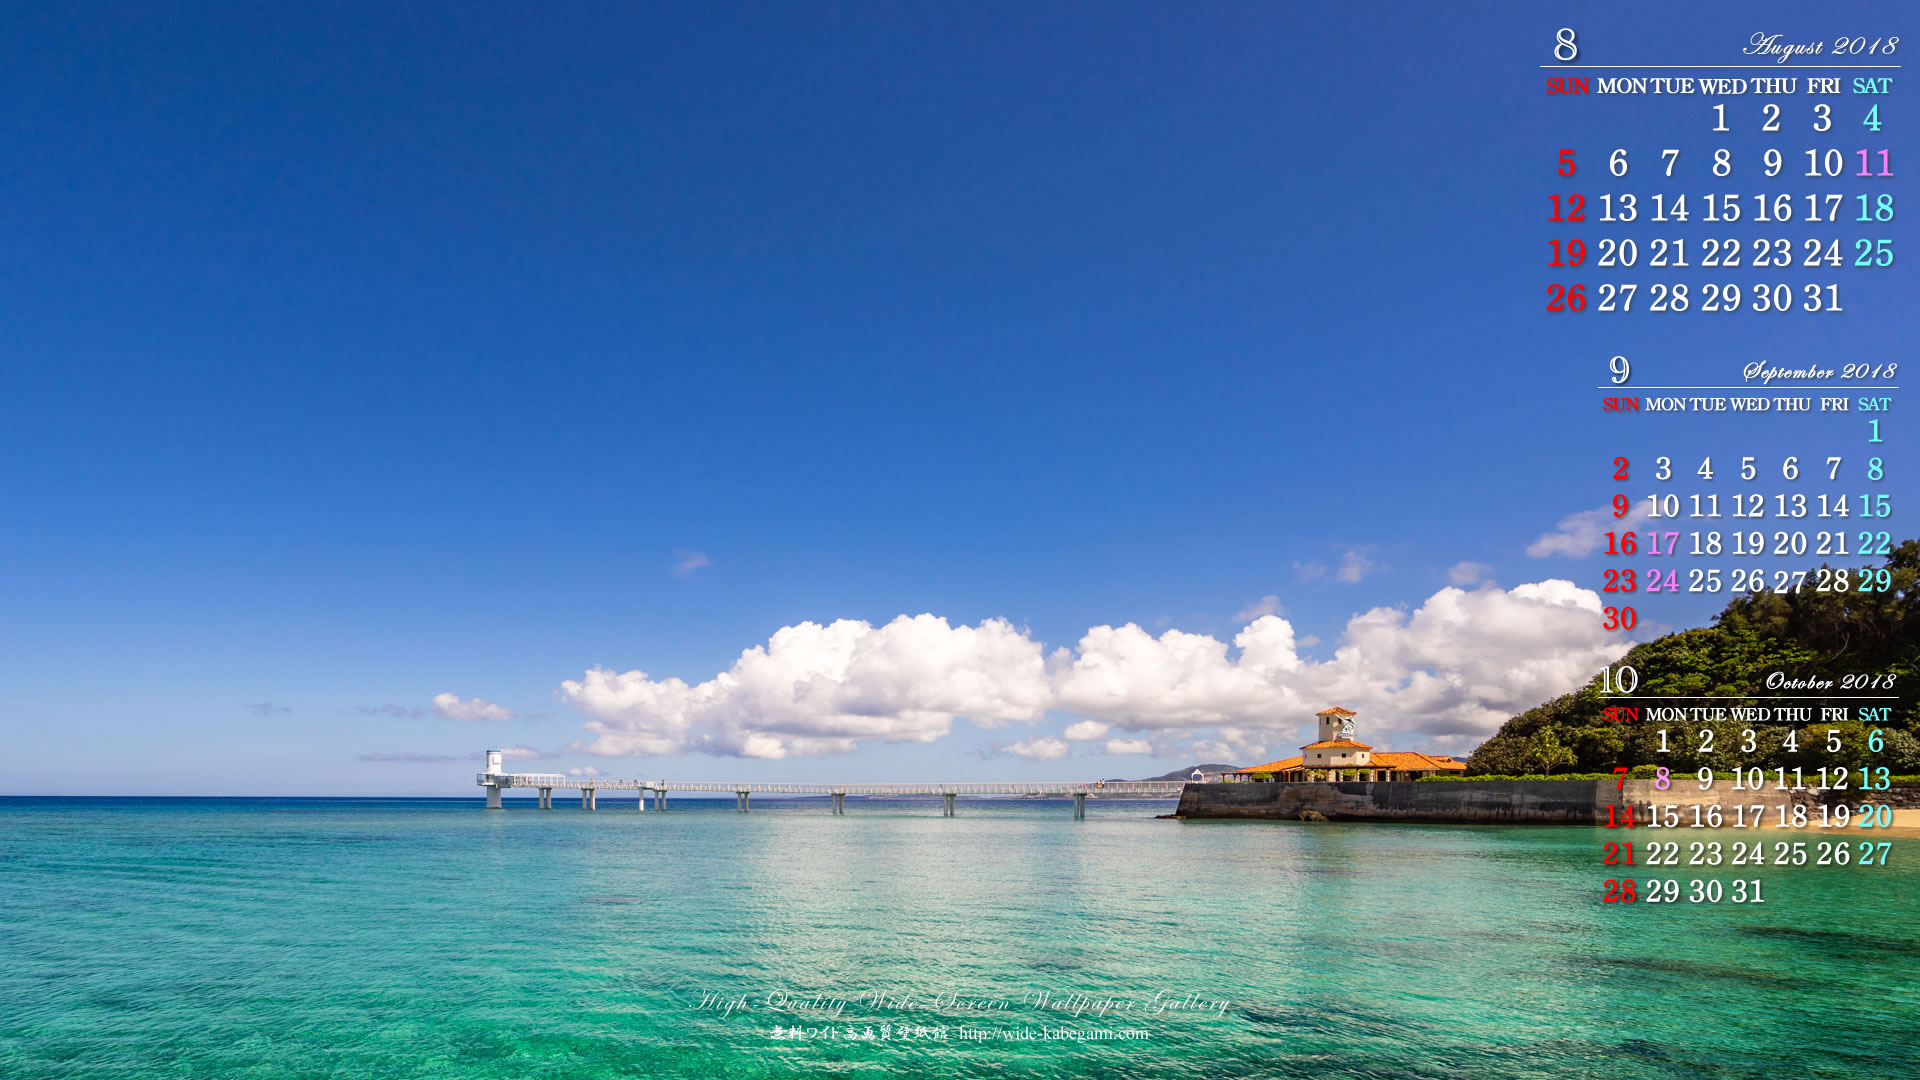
x=428 y=938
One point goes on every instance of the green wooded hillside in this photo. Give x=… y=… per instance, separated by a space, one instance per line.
x=1805 y=635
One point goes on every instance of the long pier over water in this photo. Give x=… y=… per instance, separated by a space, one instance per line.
x=590 y=786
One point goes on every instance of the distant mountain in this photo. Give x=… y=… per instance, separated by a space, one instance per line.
x=1182 y=774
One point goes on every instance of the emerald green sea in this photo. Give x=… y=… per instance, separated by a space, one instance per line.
x=343 y=938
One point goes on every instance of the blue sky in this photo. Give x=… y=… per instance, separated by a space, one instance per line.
x=359 y=355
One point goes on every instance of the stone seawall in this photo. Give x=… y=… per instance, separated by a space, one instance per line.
x=1461 y=802
x=1899 y=796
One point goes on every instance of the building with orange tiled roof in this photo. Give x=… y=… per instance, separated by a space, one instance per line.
x=1338 y=755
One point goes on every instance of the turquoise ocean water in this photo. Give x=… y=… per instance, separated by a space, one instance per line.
x=429 y=938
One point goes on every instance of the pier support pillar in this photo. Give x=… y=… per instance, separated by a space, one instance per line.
x=643 y=800
x=493 y=796
x=743 y=798
x=546 y=798
x=947 y=798
x=588 y=801
x=1079 y=806
x=660 y=798
x=839 y=802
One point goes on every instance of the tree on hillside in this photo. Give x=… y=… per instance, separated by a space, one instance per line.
x=1545 y=752
x=1870 y=630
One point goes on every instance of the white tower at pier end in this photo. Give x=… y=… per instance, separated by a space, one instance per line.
x=495 y=762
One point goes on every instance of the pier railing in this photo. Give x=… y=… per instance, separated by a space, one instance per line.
x=1164 y=789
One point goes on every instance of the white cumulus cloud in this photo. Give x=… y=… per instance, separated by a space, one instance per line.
x=1126 y=675
x=477 y=710
x=819 y=689
x=1354 y=566
x=1229 y=744
x=1266 y=605
x=1581 y=534
x=1451 y=669
x=1468 y=573
x=1087 y=731
x=1039 y=748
